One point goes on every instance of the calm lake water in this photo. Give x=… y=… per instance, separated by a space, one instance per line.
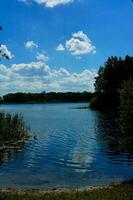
x=73 y=149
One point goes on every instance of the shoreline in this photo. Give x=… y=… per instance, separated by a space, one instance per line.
x=114 y=191
x=47 y=102
x=62 y=190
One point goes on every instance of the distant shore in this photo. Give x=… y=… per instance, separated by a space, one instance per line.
x=43 y=97
x=48 y=102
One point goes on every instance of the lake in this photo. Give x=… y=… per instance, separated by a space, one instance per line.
x=73 y=148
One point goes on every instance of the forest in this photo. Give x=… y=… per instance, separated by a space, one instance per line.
x=44 y=97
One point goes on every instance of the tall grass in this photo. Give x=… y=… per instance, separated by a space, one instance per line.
x=12 y=127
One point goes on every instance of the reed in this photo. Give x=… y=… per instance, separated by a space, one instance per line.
x=12 y=127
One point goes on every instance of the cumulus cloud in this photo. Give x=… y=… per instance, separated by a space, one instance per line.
x=38 y=76
x=5 y=53
x=80 y=44
x=42 y=57
x=31 y=45
x=60 y=47
x=50 y=3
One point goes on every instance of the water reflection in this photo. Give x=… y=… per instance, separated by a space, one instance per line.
x=11 y=152
x=82 y=153
x=74 y=148
x=118 y=147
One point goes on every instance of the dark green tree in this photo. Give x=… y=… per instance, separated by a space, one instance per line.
x=109 y=80
x=126 y=109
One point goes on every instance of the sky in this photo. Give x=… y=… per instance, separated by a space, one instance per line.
x=59 y=45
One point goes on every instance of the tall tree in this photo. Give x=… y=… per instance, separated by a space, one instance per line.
x=109 y=80
x=126 y=108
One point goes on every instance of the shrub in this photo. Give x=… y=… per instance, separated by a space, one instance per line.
x=12 y=127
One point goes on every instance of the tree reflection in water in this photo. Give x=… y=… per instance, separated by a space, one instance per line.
x=11 y=152
x=117 y=146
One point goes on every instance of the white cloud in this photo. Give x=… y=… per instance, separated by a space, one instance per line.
x=63 y=72
x=60 y=47
x=50 y=3
x=38 y=76
x=4 y=52
x=41 y=57
x=3 y=69
x=80 y=44
x=31 y=45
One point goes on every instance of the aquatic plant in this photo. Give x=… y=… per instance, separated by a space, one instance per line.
x=12 y=127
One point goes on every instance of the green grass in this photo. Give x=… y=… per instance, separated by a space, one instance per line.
x=116 y=192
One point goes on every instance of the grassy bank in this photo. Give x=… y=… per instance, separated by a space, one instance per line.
x=122 y=191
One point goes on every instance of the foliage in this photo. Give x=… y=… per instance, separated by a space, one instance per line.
x=114 y=90
x=46 y=97
x=12 y=127
x=109 y=80
x=126 y=109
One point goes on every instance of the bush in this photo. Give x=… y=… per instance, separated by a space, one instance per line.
x=12 y=127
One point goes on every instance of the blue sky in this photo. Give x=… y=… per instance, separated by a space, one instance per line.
x=88 y=31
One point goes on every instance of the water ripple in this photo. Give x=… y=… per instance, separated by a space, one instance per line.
x=73 y=148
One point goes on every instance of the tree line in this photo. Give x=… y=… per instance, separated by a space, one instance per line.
x=44 y=97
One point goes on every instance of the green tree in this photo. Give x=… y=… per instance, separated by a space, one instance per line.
x=107 y=76
x=126 y=109
x=109 y=80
